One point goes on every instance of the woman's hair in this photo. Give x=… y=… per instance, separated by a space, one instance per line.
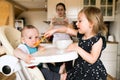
x=94 y=15
x=27 y=27
x=61 y=4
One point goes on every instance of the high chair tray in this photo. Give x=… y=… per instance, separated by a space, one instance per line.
x=52 y=54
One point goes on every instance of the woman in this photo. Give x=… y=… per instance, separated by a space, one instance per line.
x=57 y=22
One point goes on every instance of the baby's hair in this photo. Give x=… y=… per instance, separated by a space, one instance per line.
x=94 y=15
x=27 y=27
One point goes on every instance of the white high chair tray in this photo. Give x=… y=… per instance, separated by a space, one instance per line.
x=52 y=54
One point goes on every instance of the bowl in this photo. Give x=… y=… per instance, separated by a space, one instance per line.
x=63 y=44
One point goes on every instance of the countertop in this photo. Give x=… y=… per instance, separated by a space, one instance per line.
x=108 y=42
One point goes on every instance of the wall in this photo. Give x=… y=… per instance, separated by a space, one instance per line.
x=115 y=25
x=115 y=30
x=36 y=18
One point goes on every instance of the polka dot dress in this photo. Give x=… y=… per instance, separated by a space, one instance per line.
x=83 y=70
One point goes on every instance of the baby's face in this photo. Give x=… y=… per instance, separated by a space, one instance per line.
x=30 y=37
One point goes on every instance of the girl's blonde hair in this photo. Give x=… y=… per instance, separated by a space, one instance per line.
x=94 y=15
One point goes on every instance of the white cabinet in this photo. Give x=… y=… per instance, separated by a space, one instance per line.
x=74 y=6
x=118 y=67
x=107 y=7
x=109 y=58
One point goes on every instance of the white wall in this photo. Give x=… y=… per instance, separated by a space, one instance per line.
x=36 y=18
x=115 y=29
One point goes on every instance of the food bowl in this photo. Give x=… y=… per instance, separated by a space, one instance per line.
x=63 y=44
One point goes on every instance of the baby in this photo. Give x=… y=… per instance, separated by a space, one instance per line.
x=29 y=36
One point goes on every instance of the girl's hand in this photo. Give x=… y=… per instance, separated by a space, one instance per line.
x=72 y=47
x=49 y=33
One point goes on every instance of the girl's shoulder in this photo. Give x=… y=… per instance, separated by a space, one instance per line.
x=93 y=39
x=96 y=39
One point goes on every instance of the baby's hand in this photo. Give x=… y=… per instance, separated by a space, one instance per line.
x=29 y=58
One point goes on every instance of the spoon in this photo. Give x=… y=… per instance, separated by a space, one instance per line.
x=38 y=42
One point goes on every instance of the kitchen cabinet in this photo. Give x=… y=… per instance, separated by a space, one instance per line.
x=74 y=6
x=118 y=67
x=6 y=13
x=107 y=7
x=109 y=58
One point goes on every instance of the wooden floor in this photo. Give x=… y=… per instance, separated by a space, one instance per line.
x=109 y=77
x=11 y=77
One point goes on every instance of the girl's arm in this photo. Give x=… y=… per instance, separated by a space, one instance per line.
x=63 y=29
x=89 y=57
x=22 y=55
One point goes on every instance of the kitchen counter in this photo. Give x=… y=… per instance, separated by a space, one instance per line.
x=109 y=42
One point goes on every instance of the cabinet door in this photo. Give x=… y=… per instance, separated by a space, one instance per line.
x=109 y=58
x=118 y=68
x=73 y=7
x=87 y=3
x=52 y=8
x=108 y=7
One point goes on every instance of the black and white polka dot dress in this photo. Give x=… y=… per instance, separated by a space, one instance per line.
x=83 y=70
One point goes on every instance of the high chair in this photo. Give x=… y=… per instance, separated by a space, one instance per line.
x=10 y=39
